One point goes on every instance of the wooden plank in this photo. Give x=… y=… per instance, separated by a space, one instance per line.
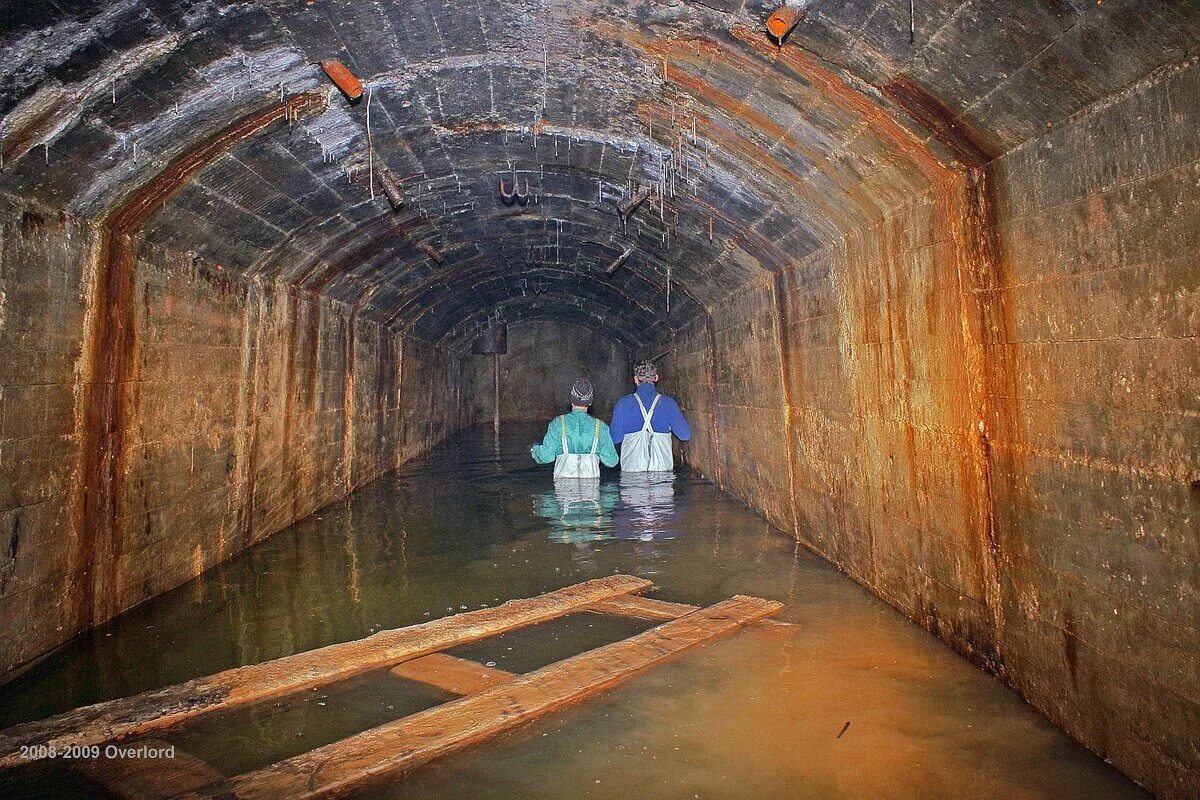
x=149 y=778
x=389 y=750
x=450 y=674
x=171 y=705
x=661 y=610
x=643 y=608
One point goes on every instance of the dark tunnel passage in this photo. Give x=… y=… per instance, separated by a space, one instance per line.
x=923 y=276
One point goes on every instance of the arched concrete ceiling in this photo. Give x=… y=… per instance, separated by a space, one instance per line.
x=755 y=155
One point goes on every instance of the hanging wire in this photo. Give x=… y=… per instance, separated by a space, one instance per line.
x=370 y=146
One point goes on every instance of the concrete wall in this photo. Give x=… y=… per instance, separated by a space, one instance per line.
x=544 y=358
x=983 y=406
x=1098 y=514
x=245 y=407
x=43 y=281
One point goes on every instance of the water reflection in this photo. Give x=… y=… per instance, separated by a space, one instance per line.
x=649 y=511
x=578 y=510
x=641 y=507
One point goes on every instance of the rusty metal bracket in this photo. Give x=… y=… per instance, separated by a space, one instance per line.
x=433 y=254
x=621 y=259
x=629 y=204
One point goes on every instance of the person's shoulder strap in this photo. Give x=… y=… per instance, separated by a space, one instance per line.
x=645 y=414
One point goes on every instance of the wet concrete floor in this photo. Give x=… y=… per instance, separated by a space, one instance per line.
x=858 y=703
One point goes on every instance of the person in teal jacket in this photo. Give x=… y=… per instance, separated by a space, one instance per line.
x=577 y=442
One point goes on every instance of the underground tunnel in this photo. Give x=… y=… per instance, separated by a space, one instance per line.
x=288 y=287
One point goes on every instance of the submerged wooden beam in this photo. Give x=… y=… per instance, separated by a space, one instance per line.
x=389 y=750
x=171 y=705
x=450 y=674
x=660 y=610
x=150 y=776
x=643 y=608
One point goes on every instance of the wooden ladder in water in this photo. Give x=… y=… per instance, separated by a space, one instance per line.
x=490 y=701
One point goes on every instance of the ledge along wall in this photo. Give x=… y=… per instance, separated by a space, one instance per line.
x=544 y=358
x=985 y=409
x=244 y=407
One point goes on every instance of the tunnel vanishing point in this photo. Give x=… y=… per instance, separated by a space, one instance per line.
x=923 y=275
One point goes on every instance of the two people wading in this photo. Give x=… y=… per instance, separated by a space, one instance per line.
x=643 y=423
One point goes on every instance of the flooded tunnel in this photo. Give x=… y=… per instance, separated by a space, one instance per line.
x=288 y=287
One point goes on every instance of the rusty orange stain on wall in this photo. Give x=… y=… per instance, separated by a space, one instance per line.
x=917 y=130
x=110 y=364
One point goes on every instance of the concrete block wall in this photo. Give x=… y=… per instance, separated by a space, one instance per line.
x=1096 y=467
x=246 y=407
x=544 y=358
x=1004 y=448
x=843 y=413
x=431 y=402
x=44 y=276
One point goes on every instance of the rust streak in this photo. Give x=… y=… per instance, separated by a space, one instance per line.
x=348 y=402
x=711 y=331
x=917 y=131
x=779 y=287
x=945 y=126
x=111 y=368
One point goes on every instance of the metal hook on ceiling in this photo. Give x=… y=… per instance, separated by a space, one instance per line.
x=515 y=196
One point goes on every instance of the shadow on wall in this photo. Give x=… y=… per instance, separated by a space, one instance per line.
x=543 y=360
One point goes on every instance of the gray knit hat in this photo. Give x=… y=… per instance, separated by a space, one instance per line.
x=581 y=392
x=645 y=370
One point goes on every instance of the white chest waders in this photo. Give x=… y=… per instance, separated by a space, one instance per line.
x=647 y=451
x=577 y=465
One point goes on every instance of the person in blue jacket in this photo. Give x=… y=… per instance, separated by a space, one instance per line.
x=643 y=423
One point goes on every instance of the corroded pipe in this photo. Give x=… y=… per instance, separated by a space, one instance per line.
x=434 y=255
x=343 y=78
x=783 y=20
x=621 y=259
x=391 y=189
x=496 y=393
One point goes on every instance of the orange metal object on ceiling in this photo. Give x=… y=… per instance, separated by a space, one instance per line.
x=783 y=19
x=343 y=78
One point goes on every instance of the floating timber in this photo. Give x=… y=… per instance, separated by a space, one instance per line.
x=450 y=674
x=490 y=702
x=150 y=778
x=646 y=608
x=390 y=750
x=161 y=708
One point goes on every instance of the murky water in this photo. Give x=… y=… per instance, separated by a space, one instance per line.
x=858 y=703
